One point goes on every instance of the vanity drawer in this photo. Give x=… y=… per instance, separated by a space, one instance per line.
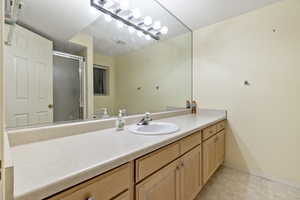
x=124 y=196
x=104 y=187
x=190 y=142
x=156 y=160
x=221 y=126
x=210 y=131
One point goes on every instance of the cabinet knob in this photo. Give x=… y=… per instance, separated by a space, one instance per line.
x=50 y=106
x=177 y=168
x=182 y=164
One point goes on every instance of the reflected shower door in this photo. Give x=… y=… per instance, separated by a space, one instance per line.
x=66 y=88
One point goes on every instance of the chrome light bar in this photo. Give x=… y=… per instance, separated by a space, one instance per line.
x=114 y=9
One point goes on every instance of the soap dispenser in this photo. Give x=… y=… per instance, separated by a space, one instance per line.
x=120 y=123
x=105 y=114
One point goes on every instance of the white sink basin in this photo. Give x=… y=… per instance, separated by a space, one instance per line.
x=154 y=128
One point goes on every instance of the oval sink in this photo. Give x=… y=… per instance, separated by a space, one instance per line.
x=154 y=128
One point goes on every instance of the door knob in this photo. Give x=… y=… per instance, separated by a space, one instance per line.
x=50 y=106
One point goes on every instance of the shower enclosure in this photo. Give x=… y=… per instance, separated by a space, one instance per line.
x=68 y=87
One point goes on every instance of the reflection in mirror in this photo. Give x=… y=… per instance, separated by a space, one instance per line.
x=128 y=55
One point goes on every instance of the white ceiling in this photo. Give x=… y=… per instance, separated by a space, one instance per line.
x=59 y=19
x=199 y=13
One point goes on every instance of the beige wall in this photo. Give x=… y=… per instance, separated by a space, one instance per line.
x=109 y=100
x=263 y=117
x=87 y=41
x=166 y=64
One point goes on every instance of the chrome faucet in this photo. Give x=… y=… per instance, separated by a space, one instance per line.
x=145 y=120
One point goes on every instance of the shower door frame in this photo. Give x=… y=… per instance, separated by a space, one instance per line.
x=82 y=79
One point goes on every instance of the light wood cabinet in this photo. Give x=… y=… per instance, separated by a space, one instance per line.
x=124 y=196
x=221 y=126
x=209 y=158
x=191 y=174
x=163 y=185
x=181 y=180
x=104 y=187
x=220 y=148
x=208 y=132
x=190 y=142
x=213 y=154
x=152 y=162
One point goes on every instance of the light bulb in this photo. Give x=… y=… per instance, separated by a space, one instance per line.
x=120 y=24
x=157 y=25
x=136 y=13
x=164 y=30
x=148 y=21
x=148 y=37
x=140 y=33
x=124 y=4
x=109 y=4
x=108 y=18
x=94 y=11
x=131 y=29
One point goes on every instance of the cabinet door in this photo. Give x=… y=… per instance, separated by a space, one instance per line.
x=124 y=196
x=209 y=158
x=191 y=174
x=220 y=148
x=163 y=185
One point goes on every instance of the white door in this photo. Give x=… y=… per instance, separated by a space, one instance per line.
x=28 y=79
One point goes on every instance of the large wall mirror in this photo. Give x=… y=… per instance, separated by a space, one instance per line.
x=69 y=61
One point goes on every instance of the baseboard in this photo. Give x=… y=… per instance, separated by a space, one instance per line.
x=264 y=176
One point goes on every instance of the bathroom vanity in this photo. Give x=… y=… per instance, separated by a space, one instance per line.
x=176 y=171
x=115 y=165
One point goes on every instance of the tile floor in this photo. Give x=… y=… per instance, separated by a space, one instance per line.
x=230 y=184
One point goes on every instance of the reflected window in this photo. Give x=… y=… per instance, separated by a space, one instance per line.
x=100 y=80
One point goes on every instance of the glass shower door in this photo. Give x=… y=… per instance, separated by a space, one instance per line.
x=66 y=88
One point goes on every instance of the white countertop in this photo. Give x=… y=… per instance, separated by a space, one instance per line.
x=45 y=168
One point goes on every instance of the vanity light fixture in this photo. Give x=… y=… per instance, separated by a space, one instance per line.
x=119 y=10
x=148 y=37
x=164 y=30
x=131 y=29
x=157 y=25
x=148 y=21
x=108 y=18
x=124 y=4
x=140 y=33
x=136 y=13
x=120 y=24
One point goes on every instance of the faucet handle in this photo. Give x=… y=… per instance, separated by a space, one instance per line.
x=148 y=116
